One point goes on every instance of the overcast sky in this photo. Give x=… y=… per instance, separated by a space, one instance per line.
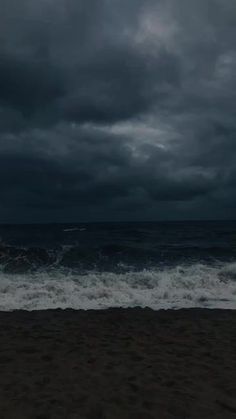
x=117 y=110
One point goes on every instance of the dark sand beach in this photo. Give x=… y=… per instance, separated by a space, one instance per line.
x=118 y=363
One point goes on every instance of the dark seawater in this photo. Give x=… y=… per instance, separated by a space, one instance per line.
x=160 y=265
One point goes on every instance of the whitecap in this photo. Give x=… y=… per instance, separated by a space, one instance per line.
x=197 y=285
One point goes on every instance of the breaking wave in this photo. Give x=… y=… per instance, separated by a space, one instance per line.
x=183 y=286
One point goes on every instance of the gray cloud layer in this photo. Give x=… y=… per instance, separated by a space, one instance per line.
x=117 y=110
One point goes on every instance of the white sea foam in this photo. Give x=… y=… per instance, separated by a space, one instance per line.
x=197 y=285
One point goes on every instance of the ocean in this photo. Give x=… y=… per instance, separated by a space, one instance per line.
x=159 y=265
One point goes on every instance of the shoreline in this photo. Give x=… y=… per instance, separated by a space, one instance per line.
x=118 y=363
x=110 y=309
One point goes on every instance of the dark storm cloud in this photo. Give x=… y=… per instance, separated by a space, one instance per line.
x=78 y=168
x=76 y=62
x=116 y=110
x=27 y=86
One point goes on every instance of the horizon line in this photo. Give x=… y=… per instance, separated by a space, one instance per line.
x=118 y=222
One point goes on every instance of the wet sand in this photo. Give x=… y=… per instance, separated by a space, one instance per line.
x=118 y=364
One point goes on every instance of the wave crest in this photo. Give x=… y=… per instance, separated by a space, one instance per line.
x=196 y=285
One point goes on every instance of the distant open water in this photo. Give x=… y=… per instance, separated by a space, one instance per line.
x=97 y=266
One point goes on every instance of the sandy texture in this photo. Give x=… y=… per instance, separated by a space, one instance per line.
x=118 y=364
